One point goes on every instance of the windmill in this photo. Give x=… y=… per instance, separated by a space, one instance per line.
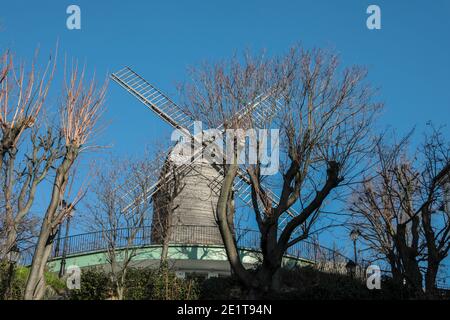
x=202 y=180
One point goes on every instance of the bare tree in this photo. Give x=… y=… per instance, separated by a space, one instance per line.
x=122 y=210
x=382 y=210
x=324 y=124
x=22 y=96
x=122 y=230
x=435 y=214
x=80 y=111
x=400 y=209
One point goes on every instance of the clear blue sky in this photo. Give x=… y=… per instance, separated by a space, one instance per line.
x=408 y=59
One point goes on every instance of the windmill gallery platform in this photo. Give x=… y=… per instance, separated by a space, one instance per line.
x=90 y=250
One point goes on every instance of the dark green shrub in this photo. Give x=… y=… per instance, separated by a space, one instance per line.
x=310 y=284
x=159 y=284
x=138 y=284
x=306 y=283
x=220 y=288
x=166 y=286
x=95 y=285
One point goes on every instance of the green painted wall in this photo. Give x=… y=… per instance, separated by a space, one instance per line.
x=215 y=253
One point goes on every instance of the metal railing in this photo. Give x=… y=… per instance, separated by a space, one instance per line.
x=324 y=259
x=184 y=235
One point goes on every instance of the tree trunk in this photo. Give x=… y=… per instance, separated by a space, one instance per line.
x=120 y=293
x=430 y=278
x=267 y=276
x=226 y=232
x=408 y=255
x=394 y=264
x=165 y=244
x=164 y=252
x=266 y=281
x=8 y=183
x=35 y=287
x=272 y=257
x=434 y=257
x=120 y=285
x=10 y=239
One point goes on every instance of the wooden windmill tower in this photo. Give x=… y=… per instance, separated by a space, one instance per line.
x=201 y=180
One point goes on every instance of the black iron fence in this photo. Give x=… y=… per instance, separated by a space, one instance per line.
x=324 y=258
x=185 y=234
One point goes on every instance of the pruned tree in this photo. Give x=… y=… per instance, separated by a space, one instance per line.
x=22 y=96
x=400 y=209
x=324 y=122
x=81 y=109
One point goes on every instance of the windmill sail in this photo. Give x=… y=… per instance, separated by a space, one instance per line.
x=153 y=98
x=165 y=108
x=242 y=188
x=259 y=110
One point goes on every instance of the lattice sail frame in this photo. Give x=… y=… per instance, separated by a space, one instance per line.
x=171 y=113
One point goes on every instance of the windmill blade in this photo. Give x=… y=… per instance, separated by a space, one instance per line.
x=153 y=98
x=266 y=110
x=245 y=194
x=182 y=169
x=127 y=194
x=166 y=178
x=164 y=107
x=158 y=102
x=243 y=189
x=260 y=110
